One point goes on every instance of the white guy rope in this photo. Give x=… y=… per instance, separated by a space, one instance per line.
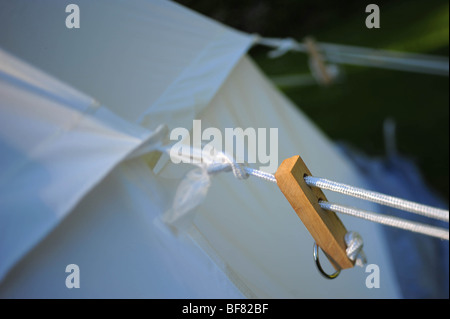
x=220 y=162
x=267 y=176
x=387 y=220
x=371 y=216
x=378 y=198
x=353 y=55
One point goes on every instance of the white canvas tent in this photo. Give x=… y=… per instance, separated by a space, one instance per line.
x=76 y=103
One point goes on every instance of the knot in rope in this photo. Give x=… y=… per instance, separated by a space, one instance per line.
x=224 y=163
x=354 y=251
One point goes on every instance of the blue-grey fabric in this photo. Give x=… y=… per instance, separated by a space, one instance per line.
x=421 y=262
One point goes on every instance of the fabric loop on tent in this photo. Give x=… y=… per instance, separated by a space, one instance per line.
x=282 y=46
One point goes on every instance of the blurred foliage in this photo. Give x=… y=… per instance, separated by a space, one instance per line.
x=354 y=109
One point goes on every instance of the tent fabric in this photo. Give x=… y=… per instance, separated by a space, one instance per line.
x=56 y=144
x=92 y=60
x=267 y=249
x=133 y=56
x=66 y=148
x=157 y=64
x=123 y=213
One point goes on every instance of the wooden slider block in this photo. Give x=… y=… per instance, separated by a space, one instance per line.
x=318 y=62
x=325 y=227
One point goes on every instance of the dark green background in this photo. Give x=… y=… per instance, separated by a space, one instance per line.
x=354 y=109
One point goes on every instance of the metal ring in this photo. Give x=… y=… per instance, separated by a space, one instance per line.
x=322 y=272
